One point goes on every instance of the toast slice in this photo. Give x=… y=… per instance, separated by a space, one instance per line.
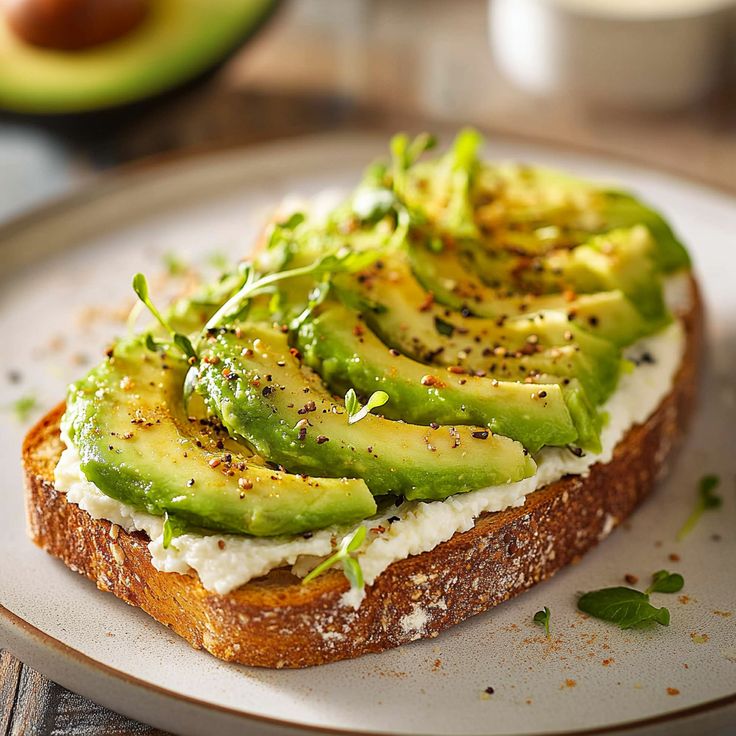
x=276 y=622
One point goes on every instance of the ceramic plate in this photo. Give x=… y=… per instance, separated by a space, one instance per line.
x=65 y=283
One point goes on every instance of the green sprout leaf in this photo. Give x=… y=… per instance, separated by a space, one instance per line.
x=151 y=344
x=185 y=345
x=352 y=405
x=140 y=286
x=168 y=532
x=404 y=154
x=665 y=582
x=295 y=219
x=543 y=618
x=625 y=607
x=707 y=500
x=344 y=260
x=351 y=567
x=356 y=412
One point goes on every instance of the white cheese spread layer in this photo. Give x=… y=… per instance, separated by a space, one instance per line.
x=225 y=562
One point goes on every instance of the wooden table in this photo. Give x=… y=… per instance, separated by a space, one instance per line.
x=371 y=63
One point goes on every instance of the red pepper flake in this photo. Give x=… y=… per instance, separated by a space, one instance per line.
x=211 y=359
x=429 y=380
x=358 y=331
x=378 y=529
x=457 y=369
x=214 y=462
x=321 y=439
x=672 y=691
x=295 y=353
x=221 y=543
x=245 y=483
x=674 y=557
x=631 y=579
x=426 y=305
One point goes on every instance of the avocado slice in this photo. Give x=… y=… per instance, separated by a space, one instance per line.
x=255 y=384
x=127 y=420
x=619 y=260
x=347 y=354
x=607 y=314
x=175 y=42
x=406 y=318
x=527 y=210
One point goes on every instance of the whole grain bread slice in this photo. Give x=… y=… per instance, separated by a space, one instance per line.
x=277 y=622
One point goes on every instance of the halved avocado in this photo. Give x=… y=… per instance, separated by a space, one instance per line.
x=138 y=445
x=177 y=40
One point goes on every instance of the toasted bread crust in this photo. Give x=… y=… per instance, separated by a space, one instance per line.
x=277 y=622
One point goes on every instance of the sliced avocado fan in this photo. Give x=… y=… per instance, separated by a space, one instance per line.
x=339 y=346
x=137 y=445
x=255 y=384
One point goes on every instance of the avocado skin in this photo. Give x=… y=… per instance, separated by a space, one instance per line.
x=156 y=451
x=252 y=381
x=346 y=353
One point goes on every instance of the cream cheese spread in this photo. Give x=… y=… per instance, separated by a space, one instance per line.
x=225 y=562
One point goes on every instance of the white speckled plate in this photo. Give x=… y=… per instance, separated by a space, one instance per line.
x=590 y=678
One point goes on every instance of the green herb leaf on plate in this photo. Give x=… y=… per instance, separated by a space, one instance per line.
x=707 y=500
x=665 y=582
x=543 y=619
x=625 y=607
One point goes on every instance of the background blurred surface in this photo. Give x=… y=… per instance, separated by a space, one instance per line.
x=323 y=64
x=320 y=65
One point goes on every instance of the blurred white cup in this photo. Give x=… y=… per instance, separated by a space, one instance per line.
x=650 y=54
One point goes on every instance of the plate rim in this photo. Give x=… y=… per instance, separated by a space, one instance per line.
x=113 y=181
x=8 y=618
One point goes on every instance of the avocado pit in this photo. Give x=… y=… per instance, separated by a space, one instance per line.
x=72 y=25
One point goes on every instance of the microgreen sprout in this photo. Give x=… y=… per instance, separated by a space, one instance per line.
x=140 y=286
x=351 y=567
x=355 y=411
x=345 y=260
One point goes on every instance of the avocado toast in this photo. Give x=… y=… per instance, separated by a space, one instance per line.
x=389 y=419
